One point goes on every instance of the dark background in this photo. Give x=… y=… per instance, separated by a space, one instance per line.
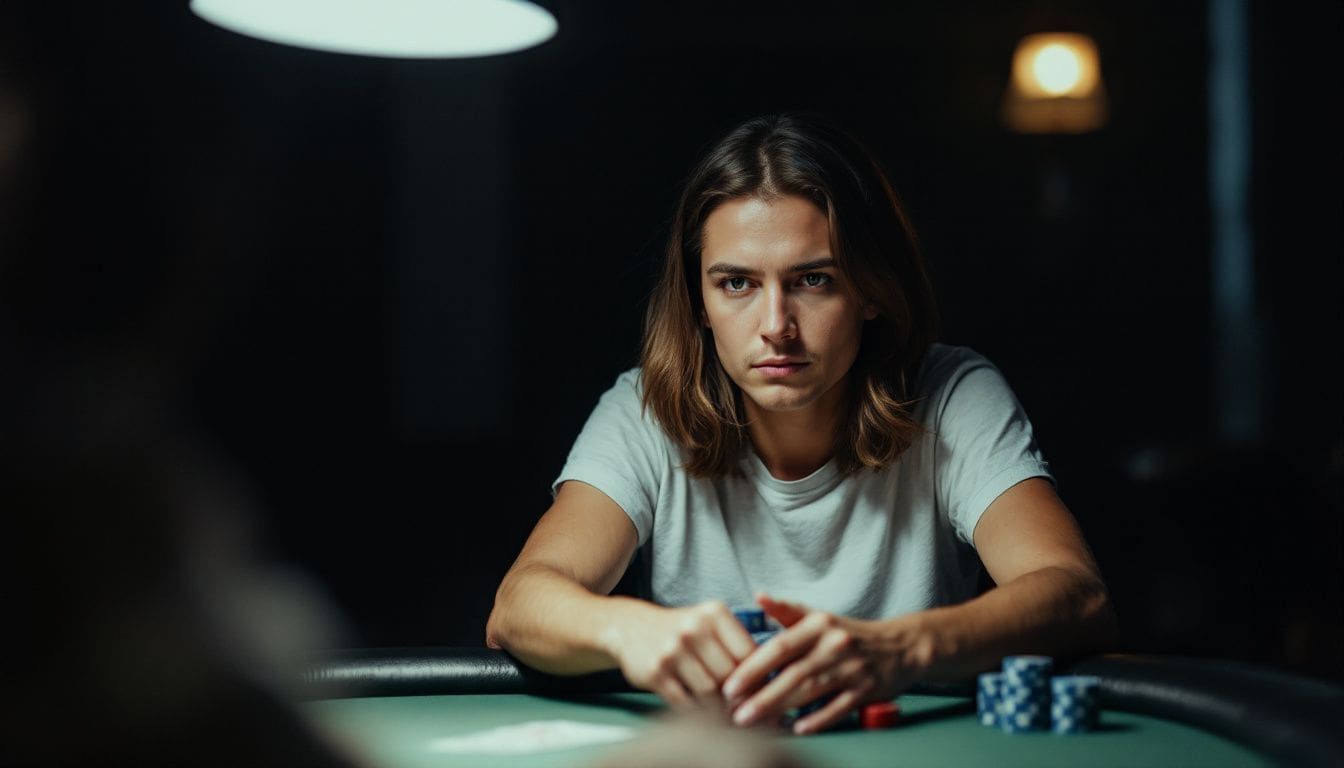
x=388 y=293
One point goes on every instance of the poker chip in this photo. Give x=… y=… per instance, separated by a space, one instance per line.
x=761 y=637
x=1027 y=670
x=988 y=690
x=1025 y=698
x=1074 y=707
x=811 y=706
x=1024 y=694
x=882 y=714
x=753 y=619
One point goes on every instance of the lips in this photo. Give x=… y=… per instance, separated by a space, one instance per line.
x=779 y=367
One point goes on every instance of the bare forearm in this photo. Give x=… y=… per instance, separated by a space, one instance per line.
x=554 y=624
x=1052 y=611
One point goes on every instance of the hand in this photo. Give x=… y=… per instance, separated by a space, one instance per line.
x=682 y=654
x=819 y=654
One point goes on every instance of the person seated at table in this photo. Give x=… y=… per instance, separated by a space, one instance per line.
x=795 y=437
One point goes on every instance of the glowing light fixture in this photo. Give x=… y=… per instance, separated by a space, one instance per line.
x=396 y=28
x=1056 y=85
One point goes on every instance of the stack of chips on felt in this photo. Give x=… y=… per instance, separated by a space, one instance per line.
x=1074 y=707
x=1024 y=694
x=1024 y=698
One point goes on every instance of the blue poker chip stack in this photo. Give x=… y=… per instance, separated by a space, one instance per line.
x=761 y=637
x=756 y=622
x=752 y=618
x=988 y=690
x=1024 y=695
x=1074 y=708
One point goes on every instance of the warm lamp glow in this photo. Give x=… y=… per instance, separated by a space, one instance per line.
x=1056 y=85
x=396 y=28
x=1057 y=69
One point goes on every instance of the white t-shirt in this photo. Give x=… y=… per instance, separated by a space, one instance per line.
x=870 y=545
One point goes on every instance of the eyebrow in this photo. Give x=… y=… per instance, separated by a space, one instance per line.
x=724 y=268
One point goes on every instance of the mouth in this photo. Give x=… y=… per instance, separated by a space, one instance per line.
x=780 y=367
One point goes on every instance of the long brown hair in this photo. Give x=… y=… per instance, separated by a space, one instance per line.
x=876 y=251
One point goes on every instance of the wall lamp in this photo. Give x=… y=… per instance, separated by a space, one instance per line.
x=1055 y=86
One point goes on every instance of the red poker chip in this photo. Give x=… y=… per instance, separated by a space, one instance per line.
x=882 y=714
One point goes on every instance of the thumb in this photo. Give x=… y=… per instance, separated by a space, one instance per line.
x=785 y=613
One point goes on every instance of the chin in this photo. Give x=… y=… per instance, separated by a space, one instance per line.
x=771 y=399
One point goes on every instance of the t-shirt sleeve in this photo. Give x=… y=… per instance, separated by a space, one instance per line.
x=985 y=443
x=621 y=452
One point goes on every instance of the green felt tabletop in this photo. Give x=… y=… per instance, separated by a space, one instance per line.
x=399 y=731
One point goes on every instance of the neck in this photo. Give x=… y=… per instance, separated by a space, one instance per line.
x=794 y=444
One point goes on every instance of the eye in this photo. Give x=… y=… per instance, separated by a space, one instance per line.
x=816 y=279
x=735 y=284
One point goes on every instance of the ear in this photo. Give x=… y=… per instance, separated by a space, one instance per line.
x=870 y=312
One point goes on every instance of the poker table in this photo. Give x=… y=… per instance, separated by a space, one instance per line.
x=396 y=707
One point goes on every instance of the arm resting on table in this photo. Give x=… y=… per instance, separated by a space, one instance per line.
x=552 y=609
x=1049 y=597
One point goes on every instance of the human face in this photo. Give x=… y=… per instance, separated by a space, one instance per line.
x=785 y=327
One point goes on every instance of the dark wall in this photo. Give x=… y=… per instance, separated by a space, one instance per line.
x=389 y=292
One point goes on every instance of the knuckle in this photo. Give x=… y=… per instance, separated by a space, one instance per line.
x=704 y=622
x=707 y=611
x=652 y=677
x=704 y=687
x=665 y=665
x=819 y=621
x=840 y=638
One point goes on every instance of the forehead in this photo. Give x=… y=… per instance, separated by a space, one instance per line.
x=756 y=229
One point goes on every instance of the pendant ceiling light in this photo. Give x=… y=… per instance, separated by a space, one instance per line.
x=419 y=29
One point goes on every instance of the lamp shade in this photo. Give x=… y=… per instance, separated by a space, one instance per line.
x=1056 y=85
x=394 y=28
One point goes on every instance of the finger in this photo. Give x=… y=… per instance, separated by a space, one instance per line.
x=717 y=637
x=776 y=653
x=830 y=714
x=675 y=694
x=825 y=667
x=788 y=689
x=734 y=636
x=785 y=613
x=692 y=674
x=716 y=658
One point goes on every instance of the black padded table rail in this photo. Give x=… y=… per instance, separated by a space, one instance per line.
x=1296 y=720
x=438 y=670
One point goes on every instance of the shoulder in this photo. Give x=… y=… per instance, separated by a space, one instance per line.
x=960 y=374
x=632 y=380
x=945 y=365
x=627 y=390
x=623 y=404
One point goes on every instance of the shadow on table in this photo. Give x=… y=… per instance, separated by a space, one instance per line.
x=940 y=712
x=638 y=703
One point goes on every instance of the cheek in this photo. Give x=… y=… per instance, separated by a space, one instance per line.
x=842 y=332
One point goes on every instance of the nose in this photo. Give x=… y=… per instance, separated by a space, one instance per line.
x=777 y=322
